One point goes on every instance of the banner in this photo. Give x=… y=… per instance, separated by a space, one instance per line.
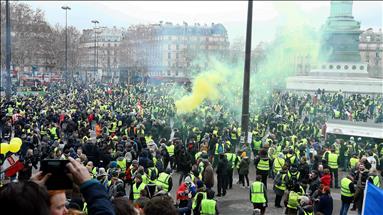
x=373 y=197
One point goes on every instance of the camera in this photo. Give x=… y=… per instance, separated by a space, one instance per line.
x=59 y=180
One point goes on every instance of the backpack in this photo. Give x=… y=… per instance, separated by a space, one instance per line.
x=220 y=148
x=153 y=174
x=160 y=166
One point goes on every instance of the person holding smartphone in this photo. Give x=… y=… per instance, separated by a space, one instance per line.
x=32 y=197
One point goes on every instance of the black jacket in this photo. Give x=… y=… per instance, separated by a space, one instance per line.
x=222 y=166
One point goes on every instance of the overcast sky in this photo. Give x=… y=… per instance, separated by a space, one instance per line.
x=232 y=14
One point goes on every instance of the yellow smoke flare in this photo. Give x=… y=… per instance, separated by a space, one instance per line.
x=205 y=86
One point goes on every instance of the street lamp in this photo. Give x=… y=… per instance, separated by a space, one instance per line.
x=66 y=8
x=246 y=76
x=8 y=56
x=95 y=46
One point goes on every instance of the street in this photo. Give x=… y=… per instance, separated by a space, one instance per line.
x=237 y=201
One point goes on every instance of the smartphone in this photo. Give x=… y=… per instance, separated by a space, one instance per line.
x=59 y=180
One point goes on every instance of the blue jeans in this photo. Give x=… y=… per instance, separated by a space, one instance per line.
x=344 y=208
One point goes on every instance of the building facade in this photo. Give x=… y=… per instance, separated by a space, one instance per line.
x=371 y=51
x=99 y=53
x=170 y=51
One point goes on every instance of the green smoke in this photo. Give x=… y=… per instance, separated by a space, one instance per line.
x=298 y=36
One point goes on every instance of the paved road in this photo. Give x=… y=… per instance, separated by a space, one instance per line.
x=237 y=202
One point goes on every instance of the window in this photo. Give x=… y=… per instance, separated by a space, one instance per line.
x=346 y=67
x=361 y=67
x=354 y=67
x=323 y=66
x=331 y=67
x=169 y=55
x=338 y=67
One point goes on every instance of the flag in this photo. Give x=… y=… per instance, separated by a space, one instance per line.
x=9 y=162
x=139 y=106
x=12 y=165
x=372 y=203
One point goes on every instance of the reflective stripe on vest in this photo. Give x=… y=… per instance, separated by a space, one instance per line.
x=257 y=195
x=345 y=187
x=263 y=165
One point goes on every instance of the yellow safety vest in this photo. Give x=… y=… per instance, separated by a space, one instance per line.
x=170 y=150
x=94 y=172
x=278 y=164
x=122 y=164
x=283 y=183
x=345 y=187
x=204 y=196
x=333 y=161
x=375 y=180
x=263 y=165
x=163 y=181
x=231 y=158
x=233 y=135
x=208 y=207
x=257 y=145
x=257 y=195
x=54 y=133
x=137 y=190
x=353 y=162
x=293 y=200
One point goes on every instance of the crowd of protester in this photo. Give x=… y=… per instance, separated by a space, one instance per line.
x=125 y=143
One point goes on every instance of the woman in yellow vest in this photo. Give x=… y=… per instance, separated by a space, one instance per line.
x=258 y=195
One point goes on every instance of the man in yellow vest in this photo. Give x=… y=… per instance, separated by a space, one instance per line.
x=234 y=137
x=278 y=163
x=165 y=181
x=347 y=193
x=135 y=192
x=170 y=150
x=258 y=195
x=121 y=163
x=209 y=205
x=333 y=162
x=262 y=164
x=292 y=199
x=256 y=145
x=231 y=158
x=280 y=185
